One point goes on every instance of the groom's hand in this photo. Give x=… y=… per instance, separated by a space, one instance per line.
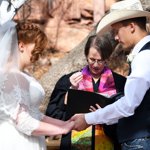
x=79 y=122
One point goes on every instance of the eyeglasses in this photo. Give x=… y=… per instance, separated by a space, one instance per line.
x=93 y=61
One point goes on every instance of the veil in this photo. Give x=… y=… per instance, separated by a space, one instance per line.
x=7 y=11
x=8 y=46
x=8 y=34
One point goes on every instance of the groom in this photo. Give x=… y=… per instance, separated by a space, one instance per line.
x=132 y=111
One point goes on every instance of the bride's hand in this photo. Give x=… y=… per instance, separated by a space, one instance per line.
x=68 y=126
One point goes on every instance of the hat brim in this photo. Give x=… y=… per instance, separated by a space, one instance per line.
x=116 y=16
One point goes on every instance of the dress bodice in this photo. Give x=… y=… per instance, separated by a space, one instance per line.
x=36 y=95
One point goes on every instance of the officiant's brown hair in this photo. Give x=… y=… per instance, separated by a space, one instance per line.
x=103 y=44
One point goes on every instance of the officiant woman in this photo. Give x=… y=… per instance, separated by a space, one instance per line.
x=95 y=77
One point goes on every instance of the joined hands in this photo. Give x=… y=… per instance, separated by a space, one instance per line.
x=79 y=122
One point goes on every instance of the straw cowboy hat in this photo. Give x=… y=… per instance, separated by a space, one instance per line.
x=120 y=11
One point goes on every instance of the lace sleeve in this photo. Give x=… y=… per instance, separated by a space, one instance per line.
x=15 y=102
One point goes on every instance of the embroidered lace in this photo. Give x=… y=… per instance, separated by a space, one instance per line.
x=19 y=102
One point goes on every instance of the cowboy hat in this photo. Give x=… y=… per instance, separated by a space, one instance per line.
x=120 y=11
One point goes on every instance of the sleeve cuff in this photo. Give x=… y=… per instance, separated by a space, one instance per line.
x=90 y=118
x=26 y=124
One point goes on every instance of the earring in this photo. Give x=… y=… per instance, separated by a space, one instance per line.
x=21 y=50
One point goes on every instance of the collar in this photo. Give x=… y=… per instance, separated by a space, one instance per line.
x=140 y=44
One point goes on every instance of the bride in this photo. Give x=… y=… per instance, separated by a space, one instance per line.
x=22 y=125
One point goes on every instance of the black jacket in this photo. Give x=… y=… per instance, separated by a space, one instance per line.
x=57 y=109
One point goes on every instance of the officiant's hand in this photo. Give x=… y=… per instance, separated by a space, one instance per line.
x=79 y=122
x=94 y=108
x=75 y=79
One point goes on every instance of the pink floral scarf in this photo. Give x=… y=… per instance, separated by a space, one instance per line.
x=106 y=86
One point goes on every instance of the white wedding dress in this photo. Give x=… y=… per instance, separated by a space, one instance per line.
x=20 y=97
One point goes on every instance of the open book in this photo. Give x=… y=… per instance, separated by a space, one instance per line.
x=80 y=101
